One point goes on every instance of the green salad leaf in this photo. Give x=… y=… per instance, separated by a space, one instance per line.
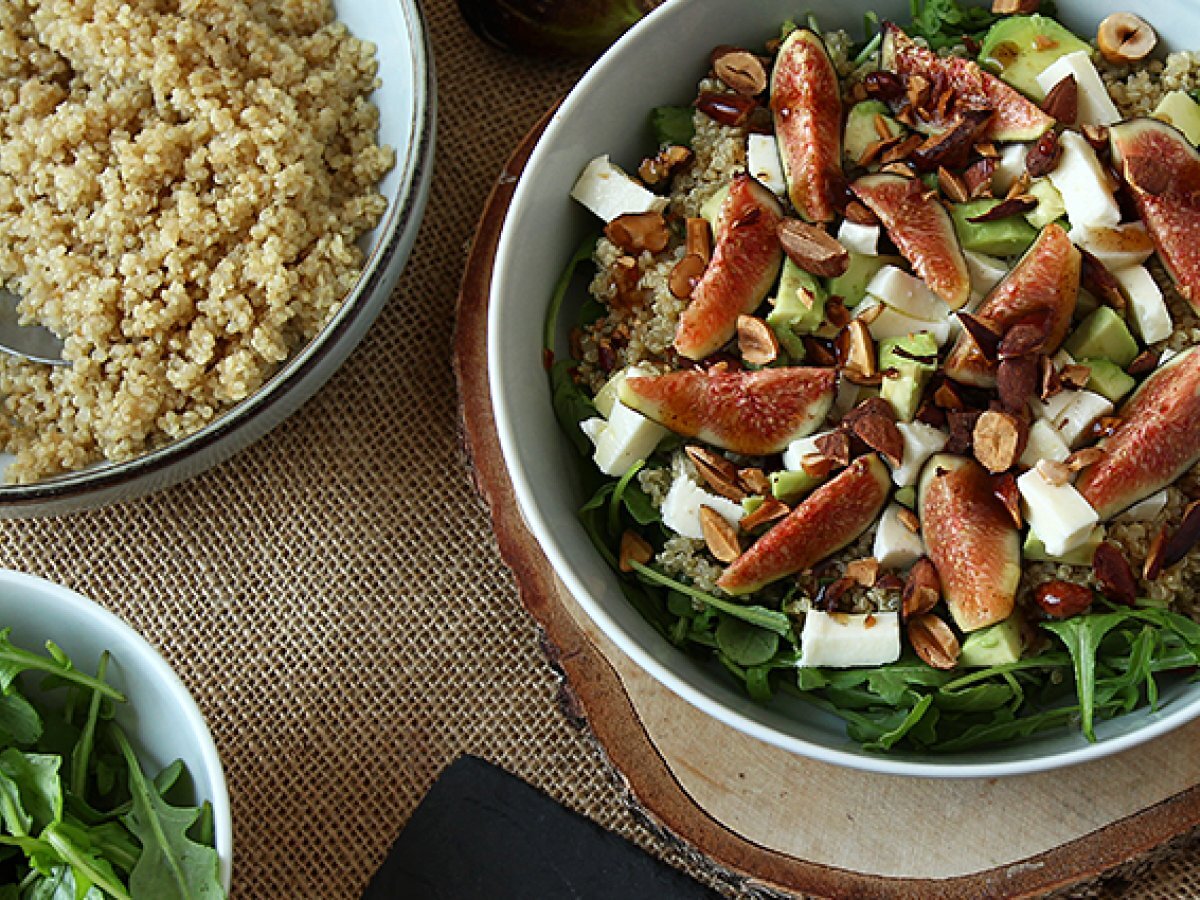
x=673 y=125
x=944 y=23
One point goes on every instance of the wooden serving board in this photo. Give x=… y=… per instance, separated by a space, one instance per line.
x=787 y=822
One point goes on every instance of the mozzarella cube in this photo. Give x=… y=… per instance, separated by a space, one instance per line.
x=1009 y=168
x=593 y=428
x=986 y=272
x=909 y=295
x=1146 y=511
x=628 y=438
x=1095 y=105
x=763 y=162
x=844 y=640
x=681 y=507
x=896 y=547
x=1084 y=184
x=609 y=192
x=857 y=238
x=1044 y=442
x=921 y=441
x=1072 y=413
x=1118 y=248
x=800 y=448
x=1057 y=513
x=1150 y=315
x=890 y=324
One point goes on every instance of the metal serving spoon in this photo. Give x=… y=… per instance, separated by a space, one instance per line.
x=32 y=342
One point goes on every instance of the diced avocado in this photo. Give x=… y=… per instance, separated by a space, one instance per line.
x=907 y=496
x=851 y=286
x=904 y=392
x=1004 y=237
x=1035 y=549
x=996 y=645
x=673 y=125
x=1108 y=379
x=710 y=209
x=790 y=486
x=1103 y=334
x=751 y=504
x=860 y=128
x=1050 y=206
x=1180 y=110
x=1019 y=48
x=799 y=308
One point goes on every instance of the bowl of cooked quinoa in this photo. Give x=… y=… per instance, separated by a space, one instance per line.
x=871 y=425
x=209 y=203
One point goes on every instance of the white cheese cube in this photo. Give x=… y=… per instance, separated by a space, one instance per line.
x=1057 y=513
x=890 y=323
x=1044 y=442
x=593 y=428
x=1084 y=184
x=681 y=507
x=800 y=448
x=763 y=163
x=1146 y=511
x=1151 y=318
x=1095 y=105
x=1118 y=248
x=895 y=546
x=844 y=640
x=862 y=239
x=1072 y=414
x=921 y=441
x=1009 y=168
x=986 y=272
x=628 y=438
x=909 y=295
x=609 y=192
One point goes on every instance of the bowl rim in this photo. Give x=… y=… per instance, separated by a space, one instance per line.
x=87 y=612
x=508 y=426
x=403 y=214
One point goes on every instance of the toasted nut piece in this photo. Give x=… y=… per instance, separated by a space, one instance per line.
x=1144 y=363
x=962 y=430
x=1006 y=492
x=1185 y=537
x=659 y=168
x=909 y=520
x=742 y=71
x=1114 y=574
x=1051 y=380
x=816 y=465
x=855 y=349
x=987 y=150
x=716 y=471
x=902 y=151
x=1097 y=280
x=634 y=548
x=933 y=641
x=979 y=178
x=836 y=313
x=865 y=571
x=861 y=214
x=874 y=423
x=983 y=333
x=1153 y=566
x=1062 y=599
x=756 y=341
x=835 y=446
x=686 y=273
x=755 y=481
x=770 y=510
x=1015 y=7
x=1097 y=136
x=635 y=232
x=882 y=129
x=1020 y=187
x=922 y=589
x=998 y=440
x=719 y=535
x=699 y=239
x=883 y=85
x=947 y=396
x=1013 y=206
x=1125 y=38
x=1062 y=103
x=1017 y=382
x=871 y=313
x=1023 y=339
x=1081 y=459
x=918 y=91
x=817 y=353
x=952 y=186
x=1053 y=472
x=813 y=249
x=1075 y=376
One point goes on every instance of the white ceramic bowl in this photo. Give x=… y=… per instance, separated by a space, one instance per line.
x=406 y=102
x=659 y=62
x=161 y=718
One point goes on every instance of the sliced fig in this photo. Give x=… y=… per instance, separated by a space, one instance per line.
x=1157 y=441
x=923 y=231
x=832 y=517
x=754 y=413
x=806 y=103
x=972 y=540
x=744 y=265
x=1044 y=285
x=1162 y=169
x=1014 y=118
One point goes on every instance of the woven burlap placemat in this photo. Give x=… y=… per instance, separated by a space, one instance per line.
x=333 y=596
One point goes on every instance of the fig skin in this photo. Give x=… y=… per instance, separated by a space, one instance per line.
x=1162 y=170
x=830 y=519
x=753 y=413
x=746 y=261
x=806 y=104
x=1157 y=441
x=971 y=539
x=1044 y=282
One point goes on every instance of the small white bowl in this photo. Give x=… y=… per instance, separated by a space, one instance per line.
x=161 y=718
x=659 y=63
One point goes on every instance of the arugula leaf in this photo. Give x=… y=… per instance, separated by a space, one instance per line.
x=20 y=723
x=618 y=497
x=571 y=405
x=14 y=661
x=1082 y=635
x=83 y=749
x=73 y=845
x=746 y=644
x=17 y=821
x=36 y=777
x=673 y=125
x=583 y=253
x=770 y=619
x=944 y=23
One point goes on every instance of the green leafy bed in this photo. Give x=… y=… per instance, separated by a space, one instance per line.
x=79 y=818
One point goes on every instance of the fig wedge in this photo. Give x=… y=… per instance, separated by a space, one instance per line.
x=922 y=230
x=744 y=265
x=832 y=517
x=754 y=413
x=806 y=103
x=1157 y=441
x=1162 y=170
x=1044 y=283
x=971 y=539
x=1015 y=118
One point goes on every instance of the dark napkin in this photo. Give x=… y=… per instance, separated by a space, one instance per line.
x=483 y=834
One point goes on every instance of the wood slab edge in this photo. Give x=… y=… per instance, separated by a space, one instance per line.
x=595 y=694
